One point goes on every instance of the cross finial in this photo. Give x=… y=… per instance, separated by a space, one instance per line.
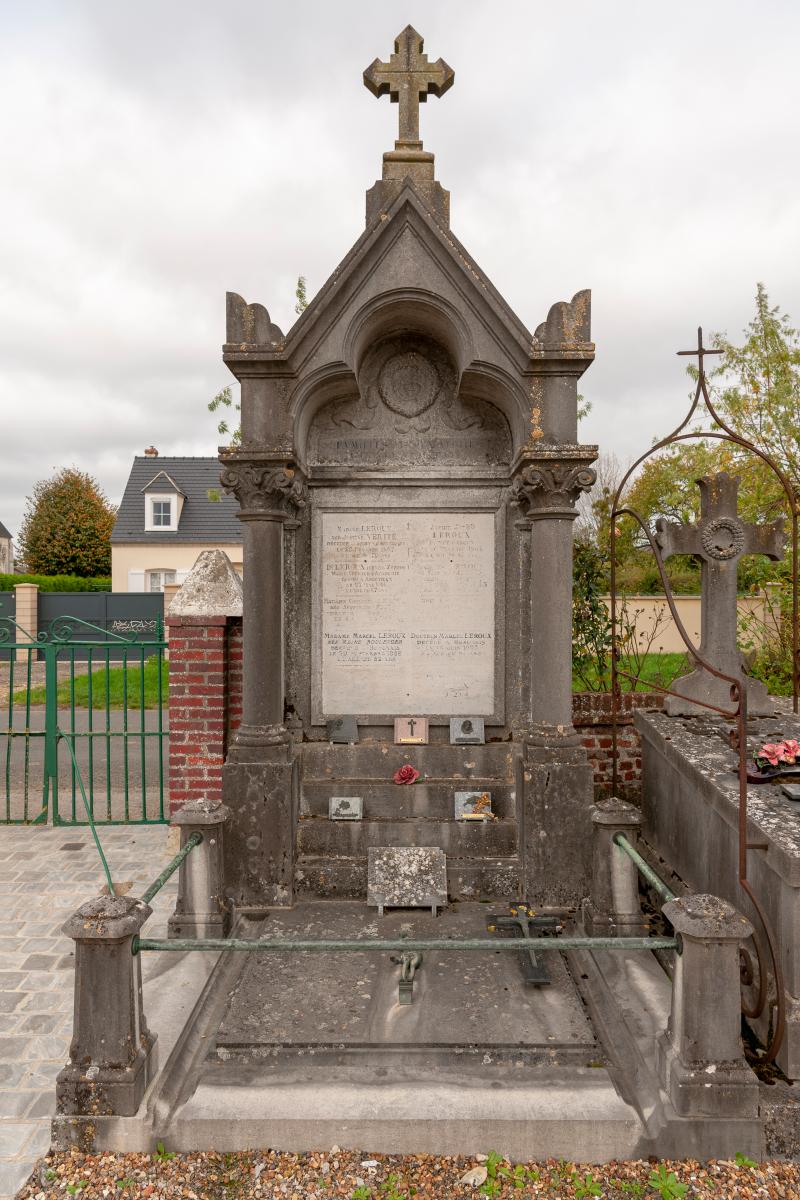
x=701 y=350
x=408 y=77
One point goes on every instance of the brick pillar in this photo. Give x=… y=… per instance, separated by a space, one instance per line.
x=197 y=708
x=204 y=623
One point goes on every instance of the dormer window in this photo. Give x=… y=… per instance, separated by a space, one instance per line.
x=161 y=513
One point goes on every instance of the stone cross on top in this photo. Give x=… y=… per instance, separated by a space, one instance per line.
x=719 y=540
x=408 y=77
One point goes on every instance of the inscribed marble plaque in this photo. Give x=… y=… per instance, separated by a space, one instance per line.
x=408 y=612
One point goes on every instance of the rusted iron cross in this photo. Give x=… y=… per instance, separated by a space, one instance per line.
x=700 y=352
x=408 y=77
x=719 y=540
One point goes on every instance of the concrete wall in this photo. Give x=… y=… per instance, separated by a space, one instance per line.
x=145 y=556
x=654 y=625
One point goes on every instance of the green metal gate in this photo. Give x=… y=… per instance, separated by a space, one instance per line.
x=85 y=728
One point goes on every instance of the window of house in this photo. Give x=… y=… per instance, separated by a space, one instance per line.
x=157 y=579
x=161 y=513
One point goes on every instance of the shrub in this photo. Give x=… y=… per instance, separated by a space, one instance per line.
x=58 y=583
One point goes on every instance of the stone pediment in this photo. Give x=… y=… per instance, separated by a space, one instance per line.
x=407 y=247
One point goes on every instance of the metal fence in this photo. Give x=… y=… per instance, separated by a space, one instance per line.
x=83 y=704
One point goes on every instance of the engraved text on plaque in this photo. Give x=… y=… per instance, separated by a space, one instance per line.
x=407 y=612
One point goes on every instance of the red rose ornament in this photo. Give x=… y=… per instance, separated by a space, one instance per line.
x=406 y=774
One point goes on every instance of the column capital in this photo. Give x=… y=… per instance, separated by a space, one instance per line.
x=268 y=487
x=548 y=482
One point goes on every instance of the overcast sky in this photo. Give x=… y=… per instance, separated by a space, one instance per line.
x=157 y=154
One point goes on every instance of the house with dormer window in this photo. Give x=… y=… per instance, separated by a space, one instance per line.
x=172 y=509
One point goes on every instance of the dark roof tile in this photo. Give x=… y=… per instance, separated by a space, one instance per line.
x=202 y=520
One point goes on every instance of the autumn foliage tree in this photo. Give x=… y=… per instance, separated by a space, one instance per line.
x=66 y=528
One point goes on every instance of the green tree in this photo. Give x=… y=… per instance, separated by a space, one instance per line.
x=755 y=387
x=66 y=528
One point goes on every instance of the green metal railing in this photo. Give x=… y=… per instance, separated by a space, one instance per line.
x=643 y=867
x=86 y=688
x=366 y=945
x=171 y=867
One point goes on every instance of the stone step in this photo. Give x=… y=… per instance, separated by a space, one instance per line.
x=432 y=800
x=379 y=760
x=494 y=878
x=459 y=839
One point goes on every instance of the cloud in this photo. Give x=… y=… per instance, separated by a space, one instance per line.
x=157 y=155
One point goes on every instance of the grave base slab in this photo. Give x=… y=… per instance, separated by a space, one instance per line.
x=251 y=1059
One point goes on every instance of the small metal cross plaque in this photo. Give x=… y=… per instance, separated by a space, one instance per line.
x=411 y=731
x=521 y=922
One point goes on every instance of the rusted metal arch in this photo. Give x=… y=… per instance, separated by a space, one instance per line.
x=738 y=711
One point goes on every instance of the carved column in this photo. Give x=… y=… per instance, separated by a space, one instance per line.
x=259 y=778
x=558 y=782
x=269 y=491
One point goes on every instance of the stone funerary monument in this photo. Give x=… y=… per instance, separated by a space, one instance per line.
x=407 y=479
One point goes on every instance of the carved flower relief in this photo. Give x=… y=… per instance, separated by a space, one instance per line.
x=265 y=488
x=556 y=486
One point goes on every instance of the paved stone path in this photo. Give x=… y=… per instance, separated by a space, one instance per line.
x=44 y=875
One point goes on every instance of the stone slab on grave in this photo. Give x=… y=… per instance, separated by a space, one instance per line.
x=350 y=999
x=690 y=806
x=406 y=877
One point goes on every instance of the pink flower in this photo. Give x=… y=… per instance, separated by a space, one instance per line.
x=406 y=774
x=791 y=749
x=773 y=752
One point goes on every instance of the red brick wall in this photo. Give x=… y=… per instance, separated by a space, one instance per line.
x=234 y=673
x=591 y=714
x=199 y=709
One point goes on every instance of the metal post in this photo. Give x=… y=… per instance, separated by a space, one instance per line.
x=699 y=1055
x=110 y=1060
x=201 y=909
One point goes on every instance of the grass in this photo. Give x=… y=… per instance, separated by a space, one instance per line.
x=112 y=681
x=660 y=669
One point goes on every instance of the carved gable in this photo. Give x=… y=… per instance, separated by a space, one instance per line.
x=409 y=412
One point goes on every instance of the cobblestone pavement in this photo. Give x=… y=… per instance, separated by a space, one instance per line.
x=44 y=875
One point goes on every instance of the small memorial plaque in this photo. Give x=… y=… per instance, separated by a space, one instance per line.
x=346 y=808
x=473 y=806
x=411 y=731
x=342 y=730
x=466 y=731
x=791 y=791
x=406 y=877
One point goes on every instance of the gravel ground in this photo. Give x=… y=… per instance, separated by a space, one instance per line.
x=356 y=1177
